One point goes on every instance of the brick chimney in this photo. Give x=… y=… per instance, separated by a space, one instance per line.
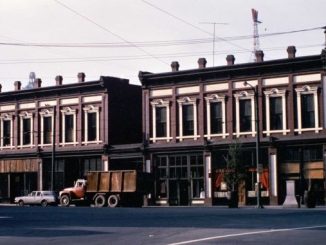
x=58 y=80
x=175 y=66
x=18 y=85
x=291 y=52
x=37 y=83
x=230 y=59
x=202 y=63
x=259 y=56
x=81 y=77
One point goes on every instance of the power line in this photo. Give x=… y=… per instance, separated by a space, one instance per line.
x=159 y=43
x=188 y=23
x=134 y=57
x=107 y=30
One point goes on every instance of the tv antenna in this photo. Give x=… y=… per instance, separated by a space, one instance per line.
x=214 y=24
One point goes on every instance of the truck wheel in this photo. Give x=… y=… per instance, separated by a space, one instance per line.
x=99 y=201
x=113 y=201
x=65 y=201
x=21 y=203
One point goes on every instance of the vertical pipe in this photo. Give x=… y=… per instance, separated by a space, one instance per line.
x=257 y=147
x=53 y=148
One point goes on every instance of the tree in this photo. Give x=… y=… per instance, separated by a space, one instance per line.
x=234 y=171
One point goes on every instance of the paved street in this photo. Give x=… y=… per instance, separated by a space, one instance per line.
x=179 y=225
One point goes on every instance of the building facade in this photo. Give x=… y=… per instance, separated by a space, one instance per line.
x=50 y=136
x=191 y=117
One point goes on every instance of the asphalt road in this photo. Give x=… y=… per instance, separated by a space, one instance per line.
x=180 y=225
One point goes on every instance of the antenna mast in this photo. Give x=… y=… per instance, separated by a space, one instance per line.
x=214 y=37
x=255 y=34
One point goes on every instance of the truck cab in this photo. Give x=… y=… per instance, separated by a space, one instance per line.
x=75 y=193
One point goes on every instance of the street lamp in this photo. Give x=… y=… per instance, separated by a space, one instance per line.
x=53 y=146
x=53 y=149
x=258 y=166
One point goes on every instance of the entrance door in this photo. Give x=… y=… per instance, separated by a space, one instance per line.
x=22 y=184
x=179 y=192
x=183 y=193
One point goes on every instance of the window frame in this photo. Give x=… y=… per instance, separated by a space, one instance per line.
x=244 y=95
x=22 y=116
x=181 y=103
x=64 y=112
x=304 y=91
x=3 y=118
x=46 y=114
x=272 y=94
x=214 y=98
x=87 y=110
x=159 y=104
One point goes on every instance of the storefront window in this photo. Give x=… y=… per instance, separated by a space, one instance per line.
x=180 y=176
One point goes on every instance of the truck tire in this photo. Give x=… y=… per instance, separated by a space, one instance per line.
x=99 y=201
x=65 y=200
x=113 y=201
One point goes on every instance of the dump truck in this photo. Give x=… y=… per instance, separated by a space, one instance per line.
x=108 y=188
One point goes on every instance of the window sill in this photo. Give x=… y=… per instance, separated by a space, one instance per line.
x=167 y=139
x=208 y=136
x=181 y=138
x=26 y=146
x=68 y=143
x=308 y=129
x=283 y=131
x=7 y=148
x=92 y=142
x=253 y=133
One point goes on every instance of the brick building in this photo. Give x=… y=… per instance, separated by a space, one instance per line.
x=83 y=126
x=191 y=117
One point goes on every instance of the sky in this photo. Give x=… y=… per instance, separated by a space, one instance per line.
x=122 y=37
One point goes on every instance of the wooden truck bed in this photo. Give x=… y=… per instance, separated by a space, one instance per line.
x=115 y=181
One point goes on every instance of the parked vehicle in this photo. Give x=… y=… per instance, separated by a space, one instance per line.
x=108 y=188
x=43 y=198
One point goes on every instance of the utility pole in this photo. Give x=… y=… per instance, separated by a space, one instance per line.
x=214 y=24
x=258 y=165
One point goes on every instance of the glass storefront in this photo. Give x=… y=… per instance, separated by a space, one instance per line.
x=179 y=178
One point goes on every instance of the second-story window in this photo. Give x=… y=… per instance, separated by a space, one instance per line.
x=307 y=111
x=47 y=130
x=92 y=124
x=161 y=123
x=188 y=120
x=276 y=113
x=6 y=131
x=68 y=125
x=69 y=128
x=275 y=107
x=160 y=120
x=26 y=129
x=245 y=115
x=6 y=127
x=216 y=117
x=47 y=122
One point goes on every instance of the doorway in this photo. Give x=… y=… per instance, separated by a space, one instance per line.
x=179 y=192
x=22 y=184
